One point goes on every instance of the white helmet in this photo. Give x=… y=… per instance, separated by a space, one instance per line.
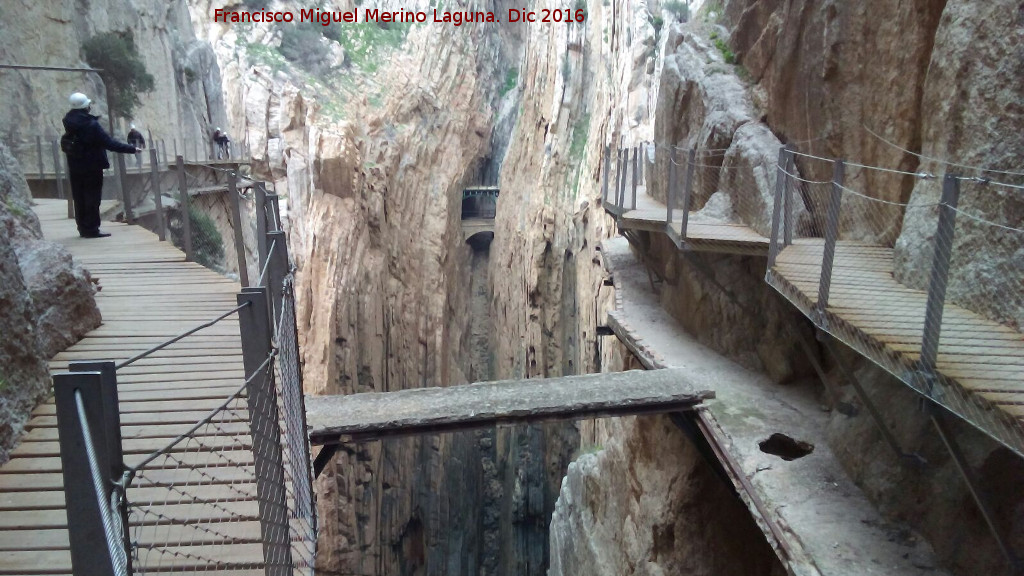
x=79 y=101
x=133 y=126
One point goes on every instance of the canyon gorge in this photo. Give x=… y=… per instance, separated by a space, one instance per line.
x=370 y=133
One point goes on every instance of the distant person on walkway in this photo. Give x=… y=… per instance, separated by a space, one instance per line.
x=223 y=144
x=135 y=139
x=86 y=143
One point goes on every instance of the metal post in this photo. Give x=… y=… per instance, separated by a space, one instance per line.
x=828 y=255
x=787 y=229
x=65 y=176
x=691 y=168
x=163 y=150
x=277 y=268
x=607 y=174
x=276 y=205
x=780 y=183
x=622 y=180
x=255 y=327
x=174 y=143
x=87 y=538
x=39 y=156
x=111 y=423
x=236 y=224
x=126 y=196
x=939 y=277
x=636 y=161
x=260 y=195
x=184 y=207
x=55 y=148
x=670 y=196
x=161 y=230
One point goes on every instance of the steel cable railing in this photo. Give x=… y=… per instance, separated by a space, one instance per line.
x=931 y=290
x=230 y=490
x=109 y=508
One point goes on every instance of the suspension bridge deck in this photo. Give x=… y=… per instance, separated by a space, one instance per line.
x=980 y=361
x=149 y=293
x=702 y=233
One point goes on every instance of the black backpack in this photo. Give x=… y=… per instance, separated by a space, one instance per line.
x=69 y=144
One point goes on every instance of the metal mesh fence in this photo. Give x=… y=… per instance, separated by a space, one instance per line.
x=219 y=496
x=940 y=308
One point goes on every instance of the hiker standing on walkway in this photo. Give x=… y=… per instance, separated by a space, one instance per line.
x=85 y=144
x=222 y=142
x=135 y=139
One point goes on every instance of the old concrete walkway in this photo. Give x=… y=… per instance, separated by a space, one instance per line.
x=816 y=518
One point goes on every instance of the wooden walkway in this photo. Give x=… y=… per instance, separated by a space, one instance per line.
x=980 y=362
x=702 y=234
x=148 y=295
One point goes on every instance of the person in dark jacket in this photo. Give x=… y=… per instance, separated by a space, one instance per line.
x=135 y=139
x=87 y=159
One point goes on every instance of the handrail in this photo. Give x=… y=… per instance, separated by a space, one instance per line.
x=118 y=556
x=163 y=345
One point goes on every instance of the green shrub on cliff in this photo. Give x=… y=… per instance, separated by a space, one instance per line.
x=301 y=45
x=123 y=72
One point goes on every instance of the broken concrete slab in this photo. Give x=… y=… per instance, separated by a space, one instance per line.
x=428 y=410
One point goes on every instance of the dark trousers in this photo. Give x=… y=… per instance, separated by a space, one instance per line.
x=87 y=191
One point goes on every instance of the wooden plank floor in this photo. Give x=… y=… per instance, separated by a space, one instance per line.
x=148 y=295
x=981 y=359
x=702 y=233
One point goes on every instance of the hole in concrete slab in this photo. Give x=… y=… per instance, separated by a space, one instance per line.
x=784 y=447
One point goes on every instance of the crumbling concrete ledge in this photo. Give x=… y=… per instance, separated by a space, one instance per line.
x=817 y=520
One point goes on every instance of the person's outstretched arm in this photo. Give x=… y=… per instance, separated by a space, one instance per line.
x=110 y=143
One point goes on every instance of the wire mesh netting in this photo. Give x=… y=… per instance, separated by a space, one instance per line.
x=233 y=491
x=935 y=300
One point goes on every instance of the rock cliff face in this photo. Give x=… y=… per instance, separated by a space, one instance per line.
x=46 y=303
x=390 y=295
x=804 y=78
x=186 y=102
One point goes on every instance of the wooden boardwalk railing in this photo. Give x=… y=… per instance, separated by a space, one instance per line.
x=148 y=294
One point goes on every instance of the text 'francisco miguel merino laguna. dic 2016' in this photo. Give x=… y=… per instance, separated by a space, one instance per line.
x=454 y=18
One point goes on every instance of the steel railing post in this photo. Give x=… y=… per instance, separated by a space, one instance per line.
x=161 y=230
x=86 y=534
x=828 y=254
x=174 y=145
x=691 y=168
x=670 y=194
x=264 y=424
x=126 y=195
x=39 y=156
x=277 y=268
x=260 y=196
x=607 y=174
x=236 y=224
x=780 y=183
x=636 y=176
x=939 y=279
x=622 y=181
x=66 y=179
x=185 y=208
x=275 y=205
x=787 y=229
x=55 y=149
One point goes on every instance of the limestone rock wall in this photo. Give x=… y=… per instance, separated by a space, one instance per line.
x=186 y=102
x=46 y=303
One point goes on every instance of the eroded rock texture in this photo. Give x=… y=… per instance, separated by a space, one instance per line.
x=46 y=303
x=186 y=103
